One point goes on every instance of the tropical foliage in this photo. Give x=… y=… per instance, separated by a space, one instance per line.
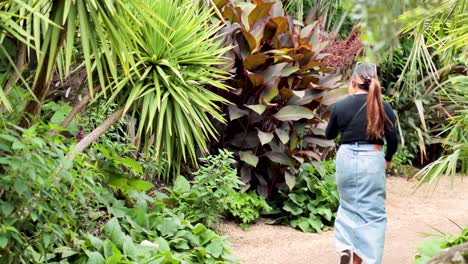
x=214 y=192
x=311 y=203
x=53 y=210
x=279 y=84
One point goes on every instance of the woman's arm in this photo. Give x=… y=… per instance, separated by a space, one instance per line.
x=390 y=133
x=332 y=128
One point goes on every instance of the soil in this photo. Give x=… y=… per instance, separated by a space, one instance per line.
x=409 y=216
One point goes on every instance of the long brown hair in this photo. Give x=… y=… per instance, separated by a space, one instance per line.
x=365 y=77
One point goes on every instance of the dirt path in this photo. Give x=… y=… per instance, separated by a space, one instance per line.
x=409 y=215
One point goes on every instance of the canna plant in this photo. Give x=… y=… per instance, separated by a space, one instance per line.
x=279 y=84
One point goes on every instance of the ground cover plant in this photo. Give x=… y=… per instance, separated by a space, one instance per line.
x=53 y=210
x=432 y=247
x=312 y=200
x=216 y=190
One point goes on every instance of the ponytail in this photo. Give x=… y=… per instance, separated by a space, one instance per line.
x=376 y=117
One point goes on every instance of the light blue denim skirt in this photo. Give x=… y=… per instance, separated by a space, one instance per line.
x=361 y=218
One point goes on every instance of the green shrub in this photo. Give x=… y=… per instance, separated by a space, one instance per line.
x=56 y=211
x=431 y=248
x=246 y=207
x=312 y=202
x=214 y=191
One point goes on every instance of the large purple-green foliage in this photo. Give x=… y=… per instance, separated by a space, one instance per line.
x=279 y=88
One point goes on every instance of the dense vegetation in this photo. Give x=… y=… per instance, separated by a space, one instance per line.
x=128 y=129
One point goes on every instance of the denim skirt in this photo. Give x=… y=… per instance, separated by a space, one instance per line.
x=361 y=218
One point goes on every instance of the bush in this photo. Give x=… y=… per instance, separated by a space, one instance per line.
x=53 y=210
x=431 y=248
x=246 y=207
x=214 y=192
x=312 y=202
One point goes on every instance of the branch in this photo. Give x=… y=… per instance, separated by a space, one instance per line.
x=95 y=134
x=79 y=104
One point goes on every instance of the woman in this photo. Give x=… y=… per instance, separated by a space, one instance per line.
x=363 y=120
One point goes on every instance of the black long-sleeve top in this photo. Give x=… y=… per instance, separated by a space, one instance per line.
x=356 y=131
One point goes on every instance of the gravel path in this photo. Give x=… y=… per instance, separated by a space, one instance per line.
x=409 y=215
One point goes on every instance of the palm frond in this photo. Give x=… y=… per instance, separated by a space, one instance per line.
x=167 y=91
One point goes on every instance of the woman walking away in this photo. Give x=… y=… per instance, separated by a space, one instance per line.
x=363 y=120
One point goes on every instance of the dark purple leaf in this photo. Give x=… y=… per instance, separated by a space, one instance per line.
x=308 y=97
x=256 y=79
x=260 y=11
x=319 y=141
x=281 y=158
x=330 y=97
x=235 y=112
x=251 y=62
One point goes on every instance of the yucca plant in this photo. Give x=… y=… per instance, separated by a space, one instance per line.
x=53 y=29
x=166 y=90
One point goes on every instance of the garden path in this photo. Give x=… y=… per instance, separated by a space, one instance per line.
x=409 y=215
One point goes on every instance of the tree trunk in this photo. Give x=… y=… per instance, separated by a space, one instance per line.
x=454 y=255
x=95 y=134
x=41 y=86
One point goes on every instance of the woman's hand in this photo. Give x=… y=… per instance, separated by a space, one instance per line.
x=387 y=165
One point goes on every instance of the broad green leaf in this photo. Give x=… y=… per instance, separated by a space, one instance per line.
x=293 y=208
x=249 y=157
x=95 y=257
x=302 y=223
x=431 y=248
x=7 y=208
x=265 y=137
x=298 y=198
x=294 y=113
x=259 y=109
x=131 y=164
x=3 y=241
x=65 y=252
x=113 y=229
x=198 y=229
x=215 y=248
x=181 y=185
x=140 y=185
x=316 y=224
x=168 y=227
